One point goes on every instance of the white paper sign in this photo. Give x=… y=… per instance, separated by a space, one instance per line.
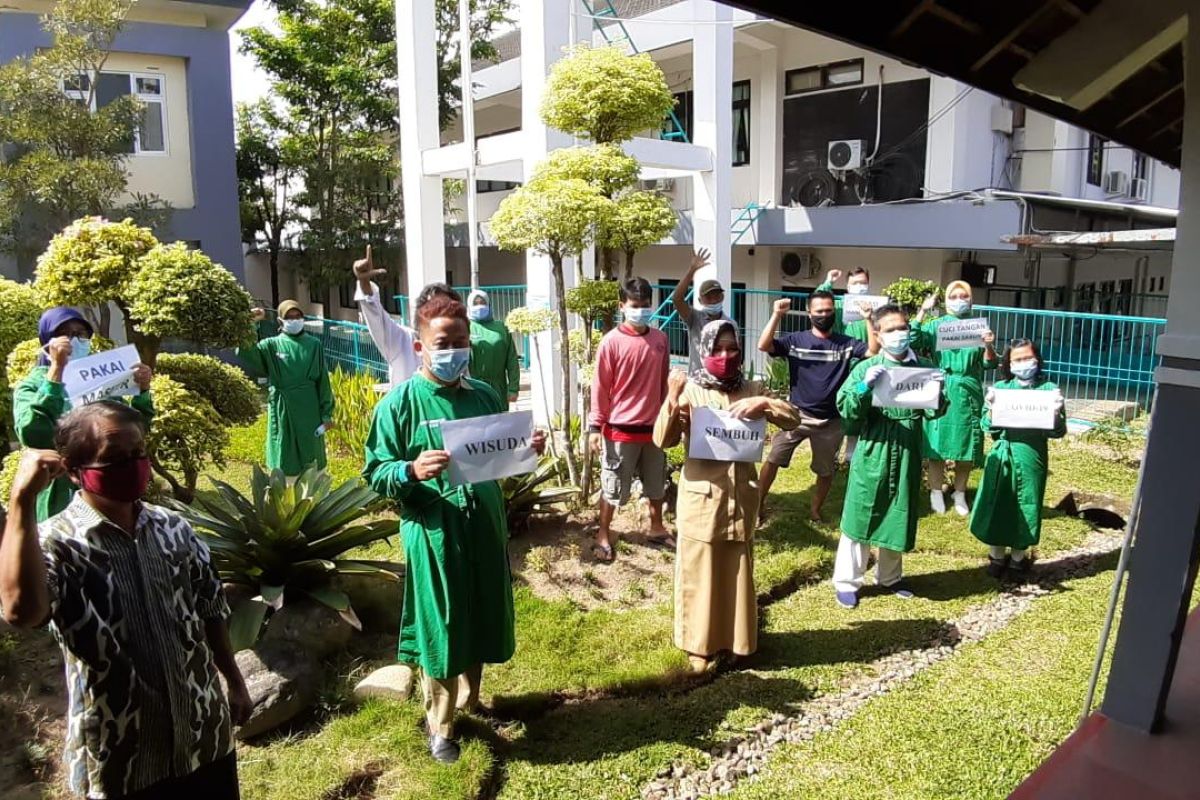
x=961 y=333
x=907 y=387
x=489 y=448
x=850 y=303
x=716 y=436
x=1021 y=408
x=96 y=377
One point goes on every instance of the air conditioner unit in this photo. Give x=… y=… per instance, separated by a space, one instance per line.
x=1116 y=182
x=665 y=185
x=1139 y=189
x=797 y=266
x=846 y=153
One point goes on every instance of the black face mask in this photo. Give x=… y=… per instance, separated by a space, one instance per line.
x=823 y=324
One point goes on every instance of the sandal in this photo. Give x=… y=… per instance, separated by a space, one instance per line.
x=663 y=541
x=603 y=553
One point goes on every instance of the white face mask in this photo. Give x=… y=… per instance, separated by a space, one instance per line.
x=958 y=307
x=293 y=327
x=857 y=288
x=1024 y=370
x=896 y=343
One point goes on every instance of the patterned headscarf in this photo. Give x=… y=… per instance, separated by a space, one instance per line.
x=708 y=343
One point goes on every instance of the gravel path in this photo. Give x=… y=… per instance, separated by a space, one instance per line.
x=745 y=756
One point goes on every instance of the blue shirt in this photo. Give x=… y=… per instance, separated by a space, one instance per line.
x=817 y=368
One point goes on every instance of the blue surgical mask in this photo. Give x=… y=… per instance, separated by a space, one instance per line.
x=449 y=365
x=1024 y=370
x=479 y=313
x=896 y=343
x=715 y=310
x=293 y=327
x=857 y=288
x=958 y=307
x=80 y=347
x=639 y=317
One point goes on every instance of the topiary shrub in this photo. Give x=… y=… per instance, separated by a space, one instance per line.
x=910 y=293
x=19 y=312
x=233 y=396
x=91 y=262
x=186 y=436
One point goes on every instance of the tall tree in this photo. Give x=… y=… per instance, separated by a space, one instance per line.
x=65 y=155
x=267 y=169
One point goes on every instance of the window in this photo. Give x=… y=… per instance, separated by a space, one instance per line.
x=314 y=296
x=683 y=116
x=741 y=123
x=495 y=186
x=827 y=76
x=346 y=294
x=1095 y=162
x=1141 y=167
x=150 y=89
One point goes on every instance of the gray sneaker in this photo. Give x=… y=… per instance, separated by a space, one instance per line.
x=443 y=750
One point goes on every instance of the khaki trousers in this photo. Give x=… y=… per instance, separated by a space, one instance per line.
x=444 y=697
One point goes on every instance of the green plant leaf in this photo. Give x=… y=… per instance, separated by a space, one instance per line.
x=381 y=568
x=272 y=595
x=337 y=600
x=245 y=623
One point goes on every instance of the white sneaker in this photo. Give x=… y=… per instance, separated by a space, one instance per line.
x=937 y=499
x=960 y=504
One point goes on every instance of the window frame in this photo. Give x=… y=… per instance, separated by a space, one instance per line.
x=739 y=104
x=88 y=96
x=1094 y=168
x=823 y=71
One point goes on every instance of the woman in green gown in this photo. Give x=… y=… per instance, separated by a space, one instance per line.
x=40 y=399
x=299 y=397
x=458 y=604
x=1008 y=507
x=956 y=436
x=494 y=358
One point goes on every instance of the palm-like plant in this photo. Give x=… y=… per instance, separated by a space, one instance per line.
x=524 y=495
x=284 y=542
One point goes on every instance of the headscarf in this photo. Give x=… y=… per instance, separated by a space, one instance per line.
x=286 y=306
x=53 y=319
x=475 y=294
x=952 y=285
x=708 y=343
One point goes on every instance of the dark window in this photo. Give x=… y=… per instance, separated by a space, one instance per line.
x=1141 y=166
x=495 y=186
x=314 y=296
x=741 y=123
x=837 y=75
x=1095 y=165
x=683 y=116
x=346 y=294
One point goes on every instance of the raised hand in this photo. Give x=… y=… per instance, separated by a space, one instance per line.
x=430 y=464
x=59 y=350
x=35 y=472
x=141 y=376
x=258 y=314
x=989 y=337
x=873 y=374
x=833 y=276
x=676 y=381
x=700 y=260
x=783 y=306
x=929 y=303
x=364 y=268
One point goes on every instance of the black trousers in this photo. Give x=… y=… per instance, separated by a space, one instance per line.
x=214 y=781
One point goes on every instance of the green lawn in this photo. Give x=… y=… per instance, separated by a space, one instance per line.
x=595 y=703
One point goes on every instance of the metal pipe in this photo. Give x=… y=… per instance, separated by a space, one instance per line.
x=468 y=119
x=878 y=117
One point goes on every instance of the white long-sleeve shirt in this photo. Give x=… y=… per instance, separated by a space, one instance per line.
x=395 y=341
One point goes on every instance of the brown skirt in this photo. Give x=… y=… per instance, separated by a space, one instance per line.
x=715 y=606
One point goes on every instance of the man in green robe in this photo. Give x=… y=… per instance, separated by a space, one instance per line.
x=40 y=399
x=299 y=397
x=1008 y=505
x=494 y=358
x=885 y=474
x=858 y=282
x=458 y=604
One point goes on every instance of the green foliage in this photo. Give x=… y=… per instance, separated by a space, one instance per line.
x=604 y=166
x=593 y=299
x=178 y=292
x=19 y=312
x=557 y=218
x=1117 y=441
x=24 y=357
x=638 y=220
x=526 y=495
x=530 y=321
x=91 y=262
x=8 y=473
x=287 y=542
x=354 y=399
x=604 y=95
x=910 y=293
x=233 y=396
x=186 y=436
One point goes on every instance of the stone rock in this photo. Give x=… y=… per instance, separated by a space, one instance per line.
x=1102 y=510
x=393 y=682
x=312 y=626
x=375 y=600
x=283 y=680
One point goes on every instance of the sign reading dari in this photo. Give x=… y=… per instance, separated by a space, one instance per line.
x=489 y=448
x=851 y=302
x=1025 y=409
x=907 y=387
x=100 y=376
x=717 y=436
x=961 y=333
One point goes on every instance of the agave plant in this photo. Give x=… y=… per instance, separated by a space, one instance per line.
x=285 y=542
x=526 y=494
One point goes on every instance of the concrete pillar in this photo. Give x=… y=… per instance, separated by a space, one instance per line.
x=545 y=30
x=712 y=71
x=768 y=144
x=424 y=231
x=1166 y=550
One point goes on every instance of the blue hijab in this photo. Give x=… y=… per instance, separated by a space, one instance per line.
x=52 y=320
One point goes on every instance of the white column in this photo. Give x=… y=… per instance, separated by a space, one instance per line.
x=424 y=231
x=767 y=156
x=545 y=30
x=712 y=71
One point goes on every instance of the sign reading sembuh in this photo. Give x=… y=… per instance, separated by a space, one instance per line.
x=716 y=436
x=907 y=387
x=489 y=448
x=1022 y=408
x=961 y=333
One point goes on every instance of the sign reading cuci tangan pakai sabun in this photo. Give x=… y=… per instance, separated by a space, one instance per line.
x=907 y=387
x=959 y=334
x=489 y=448
x=717 y=436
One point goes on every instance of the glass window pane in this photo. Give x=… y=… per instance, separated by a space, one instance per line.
x=149 y=86
x=803 y=80
x=843 y=74
x=77 y=83
x=151 y=131
x=111 y=86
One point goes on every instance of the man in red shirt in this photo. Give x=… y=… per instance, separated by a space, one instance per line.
x=629 y=388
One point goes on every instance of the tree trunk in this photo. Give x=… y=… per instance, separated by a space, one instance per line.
x=147 y=346
x=274 y=256
x=629 y=264
x=586 y=409
x=564 y=362
x=181 y=492
x=608 y=263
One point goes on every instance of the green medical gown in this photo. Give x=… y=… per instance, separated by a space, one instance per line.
x=458 y=602
x=37 y=406
x=299 y=398
x=1008 y=506
x=956 y=435
x=885 y=474
x=494 y=359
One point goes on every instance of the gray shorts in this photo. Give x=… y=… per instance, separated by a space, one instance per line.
x=622 y=460
x=824 y=437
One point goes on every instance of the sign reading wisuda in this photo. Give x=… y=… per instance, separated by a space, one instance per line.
x=100 y=376
x=489 y=448
x=961 y=333
x=907 y=387
x=717 y=436
x=1025 y=409
x=851 y=303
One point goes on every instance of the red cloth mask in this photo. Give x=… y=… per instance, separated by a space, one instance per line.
x=721 y=367
x=124 y=481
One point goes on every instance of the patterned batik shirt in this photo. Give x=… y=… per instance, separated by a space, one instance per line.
x=144 y=701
